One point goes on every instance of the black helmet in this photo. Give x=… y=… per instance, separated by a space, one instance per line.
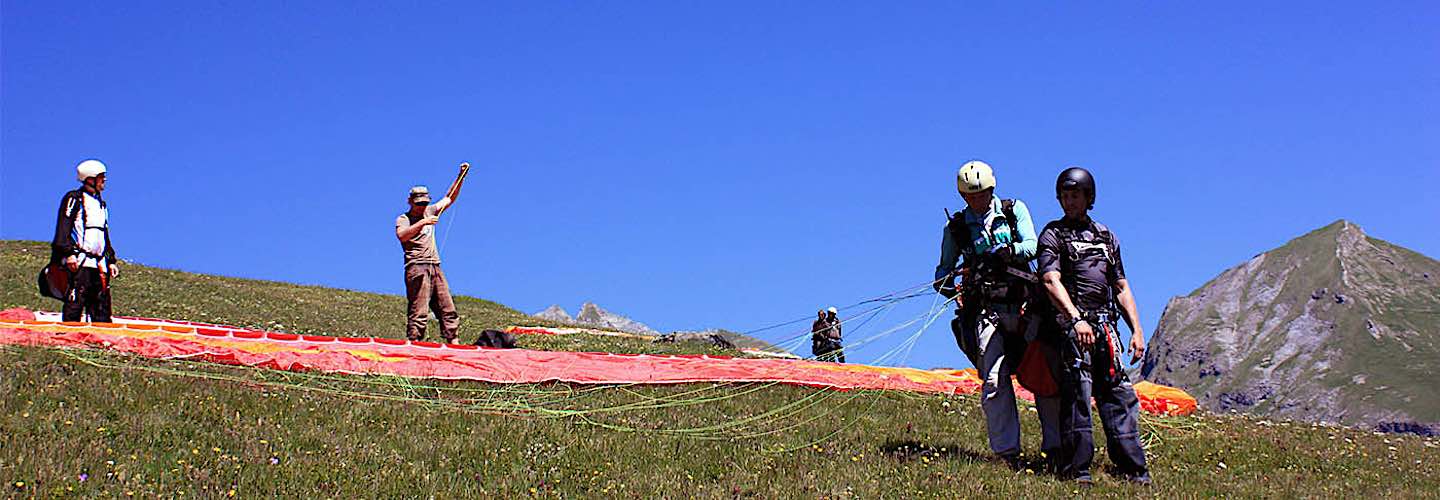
x=1076 y=178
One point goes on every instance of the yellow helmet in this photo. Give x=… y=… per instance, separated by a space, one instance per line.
x=975 y=176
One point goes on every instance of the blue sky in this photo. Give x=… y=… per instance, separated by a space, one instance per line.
x=716 y=164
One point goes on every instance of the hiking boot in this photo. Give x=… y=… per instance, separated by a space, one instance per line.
x=1084 y=482
x=1142 y=479
x=1013 y=462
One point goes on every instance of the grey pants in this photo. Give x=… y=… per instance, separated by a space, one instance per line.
x=427 y=291
x=1088 y=377
x=987 y=331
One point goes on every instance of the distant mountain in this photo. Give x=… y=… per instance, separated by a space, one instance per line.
x=1333 y=326
x=554 y=313
x=592 y=315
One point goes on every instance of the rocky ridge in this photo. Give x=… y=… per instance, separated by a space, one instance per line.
x=1333 y=326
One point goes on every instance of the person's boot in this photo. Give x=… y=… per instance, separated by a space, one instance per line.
x=1013 y=462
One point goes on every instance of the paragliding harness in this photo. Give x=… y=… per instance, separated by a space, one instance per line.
x=994 y=284
x=992 y=280
x=1104 y=319
x=55 y=280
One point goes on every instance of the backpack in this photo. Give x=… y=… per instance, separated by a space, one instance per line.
x=496 y=338
x=53 y=281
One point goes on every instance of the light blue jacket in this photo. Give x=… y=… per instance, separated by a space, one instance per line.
x=987 y=232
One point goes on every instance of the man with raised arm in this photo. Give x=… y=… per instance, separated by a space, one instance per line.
x=425 y=285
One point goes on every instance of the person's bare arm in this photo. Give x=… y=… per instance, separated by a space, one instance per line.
x=454 y=191
x=1126 y=298
x=1084 y=332
x=405 y=232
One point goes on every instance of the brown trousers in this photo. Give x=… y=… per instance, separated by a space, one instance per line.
x=427 y=291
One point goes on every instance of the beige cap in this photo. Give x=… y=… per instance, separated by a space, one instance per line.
x=419 y=192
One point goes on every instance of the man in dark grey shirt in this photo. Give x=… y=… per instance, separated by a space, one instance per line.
x=1079 y=262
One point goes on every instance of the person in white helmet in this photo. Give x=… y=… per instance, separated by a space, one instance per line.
x=82 y=246
x=425 y=286
x=993 y=242
x=825 y=336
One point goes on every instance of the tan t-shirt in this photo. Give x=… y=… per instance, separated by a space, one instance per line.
x=421 y=248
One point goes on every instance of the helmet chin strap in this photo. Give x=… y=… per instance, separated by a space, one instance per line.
x=92 y=186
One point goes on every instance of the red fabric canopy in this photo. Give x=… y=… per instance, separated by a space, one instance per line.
x=164 y=339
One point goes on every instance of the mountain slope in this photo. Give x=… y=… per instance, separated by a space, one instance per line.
x=1333 y=326
x=285 y=307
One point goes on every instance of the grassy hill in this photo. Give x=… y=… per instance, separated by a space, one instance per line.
x=87 y=423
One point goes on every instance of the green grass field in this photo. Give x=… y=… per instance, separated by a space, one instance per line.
x=88 y=423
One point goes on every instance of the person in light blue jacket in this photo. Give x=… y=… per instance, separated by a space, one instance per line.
x=985 y=256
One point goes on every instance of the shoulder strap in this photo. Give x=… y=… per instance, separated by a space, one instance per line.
x=1106 y=237
x=1007 y=207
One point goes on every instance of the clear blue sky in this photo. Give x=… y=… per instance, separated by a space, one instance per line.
x=714 y=164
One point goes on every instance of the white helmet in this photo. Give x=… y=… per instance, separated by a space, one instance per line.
x=975 y=176
x=89 y=168
x=832 y=310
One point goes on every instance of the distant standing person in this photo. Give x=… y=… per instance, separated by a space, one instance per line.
x=82 y=245
x=825 y=336
x=1079 y=261
x=425 y=285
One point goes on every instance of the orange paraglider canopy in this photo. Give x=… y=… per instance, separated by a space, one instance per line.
x=165 y=339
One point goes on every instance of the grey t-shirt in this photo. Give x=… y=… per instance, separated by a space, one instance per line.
x=421 y=248
x=1087 y=255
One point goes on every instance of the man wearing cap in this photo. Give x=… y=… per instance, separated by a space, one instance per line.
x=825 y=336
x=82 y=246
x=425 y=285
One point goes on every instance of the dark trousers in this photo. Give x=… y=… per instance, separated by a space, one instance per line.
x=1090 y=376
x=827 y=349
x=88 y=295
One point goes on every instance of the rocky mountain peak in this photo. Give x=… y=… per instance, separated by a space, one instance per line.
x=593 y=315
x=554 y=313
x=1333 y=326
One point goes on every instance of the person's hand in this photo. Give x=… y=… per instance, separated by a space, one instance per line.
x=114 y=270
x=1137 y=346
x=72 y=263
x=1004 y=252
x=1084 y=333
x=429 y=220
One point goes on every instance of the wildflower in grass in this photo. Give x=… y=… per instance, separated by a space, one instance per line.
x=274 y=460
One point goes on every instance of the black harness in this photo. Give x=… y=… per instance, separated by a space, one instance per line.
x=992 y=280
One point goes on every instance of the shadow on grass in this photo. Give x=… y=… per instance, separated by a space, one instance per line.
x=914 y=450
